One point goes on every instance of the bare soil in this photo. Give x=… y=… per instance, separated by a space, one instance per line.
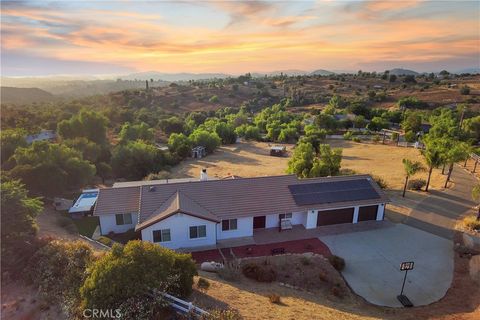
x=252 y=159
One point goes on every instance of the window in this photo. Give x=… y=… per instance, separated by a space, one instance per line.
x=122 y=219
x=161 y=235
x=285 y=216
x=198 y=232
x=230 y=224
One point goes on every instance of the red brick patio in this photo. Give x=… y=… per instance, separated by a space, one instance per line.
x=258 y=250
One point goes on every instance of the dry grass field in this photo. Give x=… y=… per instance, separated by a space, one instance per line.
x=252 y=159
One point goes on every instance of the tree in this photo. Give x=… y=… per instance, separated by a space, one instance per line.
x=89 y=149
x=433 y=155
x=136 y=159
x=141 y=131
x=472 y=128
x=465 y=90
x=10 y=140
x=206 y=139
x=89 y=124
x=456 y=151
x=377 y=124
x=49 y=169
x=302 y=159
x=409 y=78
x=392 y=78
x=180 y=144
x=410 y=167
x=226 y=132
x=135 y=269
x=288 y=134
x=326 y=121
x=104 y=170
x=327 y=163
x=172 y=125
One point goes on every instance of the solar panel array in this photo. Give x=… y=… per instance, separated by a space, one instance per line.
x=331 y=192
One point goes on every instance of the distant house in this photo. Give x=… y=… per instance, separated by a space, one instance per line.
x=44 y=135
x=84 y=204
x=195 y=214
x=199 y=152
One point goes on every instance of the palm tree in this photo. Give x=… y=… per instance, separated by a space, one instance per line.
x=476 y=197
x=434 y=158
x=411 y=167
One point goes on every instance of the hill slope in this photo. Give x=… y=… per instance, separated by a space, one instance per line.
x=24 y=95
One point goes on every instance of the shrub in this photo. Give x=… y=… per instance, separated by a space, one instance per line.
x=261 y=273
x=381 y=182
x=323 y=275
x=203 y=284
x=337 y=290
x=416 y=184
x=106 y=241
x=376 y=139
x=228 y=314
x=465 y=90
x=347 y=135
x=471 y=223
x=356 y=139
x=132 y=270
x=337 y=262
x=274 y=298
x=213 y=99
x=143 y=307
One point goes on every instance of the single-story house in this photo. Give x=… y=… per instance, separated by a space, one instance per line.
x=193 y=214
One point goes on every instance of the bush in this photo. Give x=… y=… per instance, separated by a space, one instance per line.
x=261 y=273
x=465 y=90
x=416 y=184
x=230 y=271
x=213 y=99
x=203 y=284
x=106 y=241
x=347 y=135
x=381 y=182
x=323 y=275
x=132 y=270
x=337 y=262
x=228 y=314
x=274 y=298
x=376 y=138
x=143 y=307
x=337 y=291
x=356 y=139
x=471 y=223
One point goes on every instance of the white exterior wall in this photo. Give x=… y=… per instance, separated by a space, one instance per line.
x=355 y=214
x=108 y=223
x=179 y=225
x=244 y=229
x=380 y=211
x=299 y=217
x=271 y=221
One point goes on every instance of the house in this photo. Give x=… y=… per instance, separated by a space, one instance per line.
x=44 y=135
x=195 y=214
x=84 y=204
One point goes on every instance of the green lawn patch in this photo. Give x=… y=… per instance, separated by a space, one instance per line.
x=86 y=225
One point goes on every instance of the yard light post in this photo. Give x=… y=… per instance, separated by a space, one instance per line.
x=405 y=266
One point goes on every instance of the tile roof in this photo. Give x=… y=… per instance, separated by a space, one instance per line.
x=224 y=199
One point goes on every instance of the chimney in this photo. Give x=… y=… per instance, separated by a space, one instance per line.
x=203 y=175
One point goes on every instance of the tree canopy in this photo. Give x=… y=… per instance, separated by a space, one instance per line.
x=89 y=124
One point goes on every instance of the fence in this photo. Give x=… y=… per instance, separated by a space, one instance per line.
x=184 y=306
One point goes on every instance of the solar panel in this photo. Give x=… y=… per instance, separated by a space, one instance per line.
x=331 y=192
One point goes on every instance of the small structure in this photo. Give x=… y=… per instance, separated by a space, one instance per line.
x=278 y=151
x=391 y=133
x=199 y=152
x=44 y=135
x=84 y=204
x=161 y=147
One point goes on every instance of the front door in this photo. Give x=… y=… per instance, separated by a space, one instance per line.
x=259 y=222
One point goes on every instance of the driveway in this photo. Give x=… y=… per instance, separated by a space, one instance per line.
x=373 y=259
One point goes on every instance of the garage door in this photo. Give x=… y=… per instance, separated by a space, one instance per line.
x=335 y=216
x=367 y=213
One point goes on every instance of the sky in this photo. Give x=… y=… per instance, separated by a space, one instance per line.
x=121 y=37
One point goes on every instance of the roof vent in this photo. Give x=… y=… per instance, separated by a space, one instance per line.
x=152 y=189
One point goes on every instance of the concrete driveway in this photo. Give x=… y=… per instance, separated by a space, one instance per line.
x=373 y=259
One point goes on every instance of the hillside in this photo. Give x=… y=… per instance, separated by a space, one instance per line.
x=403 y=72
x=24 y=95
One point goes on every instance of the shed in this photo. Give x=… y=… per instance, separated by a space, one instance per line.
x=278 y=151
x=199 y=152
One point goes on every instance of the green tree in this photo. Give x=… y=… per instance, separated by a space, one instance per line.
x=411 y=168
x=180 y=144
x=377 y=124
x=10 y=140
x=172 y=125
x=327 y=163
x=206 y=139
x=226 y=132
x=412 y=122
x=392 y=78
x=135 y=269
x=433 y=155
x=327 y=122
x=136 y=159
x=455 y=152
x=89 y=149
x=131 y=132
x=302 y=159
x=49 y=169
x=472 y=128
x=89 y=124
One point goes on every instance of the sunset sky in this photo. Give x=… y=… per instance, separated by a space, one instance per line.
x=119 y=37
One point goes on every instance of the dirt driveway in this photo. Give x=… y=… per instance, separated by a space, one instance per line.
x=373 y=259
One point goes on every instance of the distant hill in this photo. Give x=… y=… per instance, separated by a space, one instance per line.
x=474 y=70
x=173 y=76
x=403 y=72
x=321 y=72
x=24 y=95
